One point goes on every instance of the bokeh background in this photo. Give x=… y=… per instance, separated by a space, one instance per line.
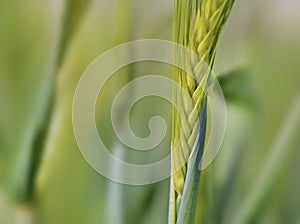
x=45 y=46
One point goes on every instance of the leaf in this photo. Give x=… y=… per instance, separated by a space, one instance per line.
x=238 y=87
x=28 y=48
x=25 y=167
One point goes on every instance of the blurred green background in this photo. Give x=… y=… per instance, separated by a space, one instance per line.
x=45 y=46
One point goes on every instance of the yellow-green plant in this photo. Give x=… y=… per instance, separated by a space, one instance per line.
x=198 y=26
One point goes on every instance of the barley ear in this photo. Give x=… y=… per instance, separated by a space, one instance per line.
x=198 y=26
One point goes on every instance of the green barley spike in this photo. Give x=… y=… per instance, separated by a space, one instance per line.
x=198 y=26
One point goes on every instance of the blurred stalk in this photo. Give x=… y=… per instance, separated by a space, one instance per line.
x=261 y=187
x=35 y=108
x=74 y=12
x=127 y=204
x=62 y=175
x=24 y=172
x=64 y=172
x=117 y=195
